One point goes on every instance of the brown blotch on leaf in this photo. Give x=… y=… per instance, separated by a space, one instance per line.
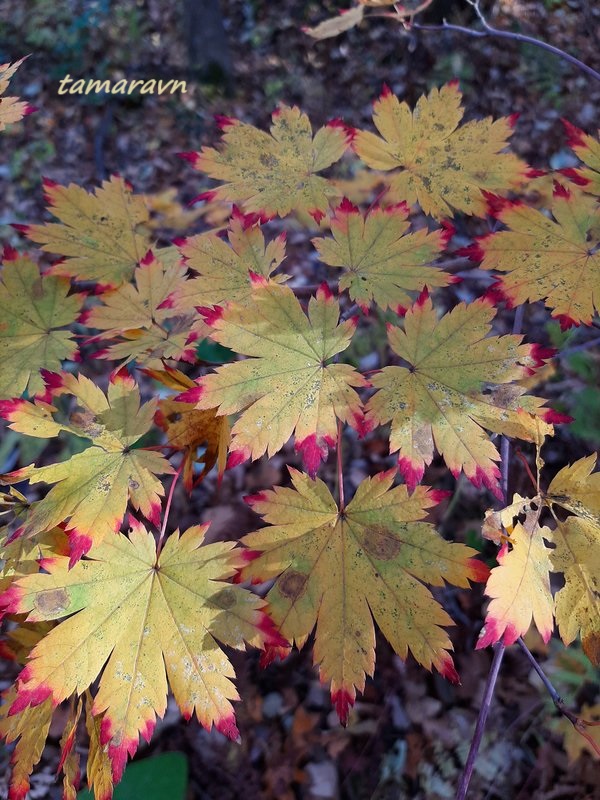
x=381 y=543
x=224 y=599
x=292 y=584
x=52 y=601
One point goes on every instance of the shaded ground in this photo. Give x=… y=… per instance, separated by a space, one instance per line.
x=410 y=732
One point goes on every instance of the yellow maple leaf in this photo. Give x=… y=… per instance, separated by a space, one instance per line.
x=555 y=259
x=29 y=728
x=102 y=235
x=142 y=317
x=587 y=148
x=276 y=173
x=459 y=381
x=437 y=163
x=383 y=261
x=69 y=757
x=98 y=768
x=286 y=385
x=577 y=556
x=34 y=308
x=520 y=586
x=92 y=487
x=225 y=270
x=135 y=619
x=12 y=109
x=339 y=570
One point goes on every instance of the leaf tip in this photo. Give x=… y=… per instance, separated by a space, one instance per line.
x=411 y=473
x=342 y=701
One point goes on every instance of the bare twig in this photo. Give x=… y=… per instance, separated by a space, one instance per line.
x=340 y=467
x=465 y=778
x=578 y=723
x=489 y=30
x=481 y=720
x=163 y=527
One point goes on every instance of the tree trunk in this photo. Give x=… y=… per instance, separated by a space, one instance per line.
x=209 y=56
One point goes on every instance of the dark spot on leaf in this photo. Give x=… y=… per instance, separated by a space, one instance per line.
x=381 y=543
x=224 y=599
x=53 y=601
x=292 y=584
x=133 y=484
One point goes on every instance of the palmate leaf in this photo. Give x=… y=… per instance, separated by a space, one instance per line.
x=137 y=620
x=11 y=108
x=225 y=269
x=458 y=381
x=34 y=309
x=92 y=487
x=520 y=586
x=142 y=317
x=577 y=554
x=102 y=235
x=189 y=428
x=552 y=259
x=437 y=163
x=286 y=386
x=383 y=261
x=275 y=173
x=587 y=148
x=340 y=570
x=29 y=729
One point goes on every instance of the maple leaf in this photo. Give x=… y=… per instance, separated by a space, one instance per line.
x=275 y=173
x=92 y=487
x=520 y=586
x=29 y=729
x=98 y=768
x=384 y=262
x=136 y=619
x=437 y=163
x=142 y=317
x=33 y=310
x=344 y=21
x=577 y=554
x=587 y=149
x=69 y=758
x=224 y=269
x=340 y=570
x=23 y=556
x=552 y=259
x=459 y=381
x=11 y=108
x=189 y=428
x=102 y=234
x=285 y=386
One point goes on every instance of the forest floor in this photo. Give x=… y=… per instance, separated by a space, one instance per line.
x=409 y=733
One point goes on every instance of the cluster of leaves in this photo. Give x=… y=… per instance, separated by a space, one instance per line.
x=110 y=620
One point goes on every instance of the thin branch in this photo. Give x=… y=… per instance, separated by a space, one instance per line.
x=577 y=348
x=489 y=30
x=168 y=508
x=340 y=467
x=578 y=723
x=465 y=778
x=481 y=720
